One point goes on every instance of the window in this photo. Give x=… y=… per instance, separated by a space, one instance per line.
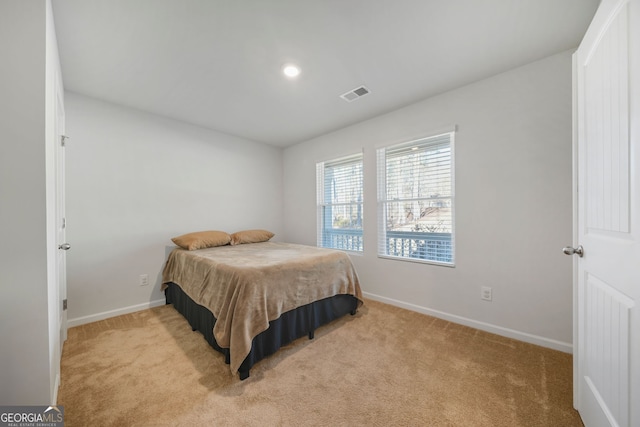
x=339 y=191
x=416 y=200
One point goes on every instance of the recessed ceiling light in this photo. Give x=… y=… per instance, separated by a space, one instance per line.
x=291 y=70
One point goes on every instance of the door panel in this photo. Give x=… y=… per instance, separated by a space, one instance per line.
x=607 y=111
x=61 y=223
x=606 y=347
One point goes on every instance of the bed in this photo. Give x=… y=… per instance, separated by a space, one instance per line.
x=249 y=300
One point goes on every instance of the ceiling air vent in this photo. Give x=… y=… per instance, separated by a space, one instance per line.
x=354 y=94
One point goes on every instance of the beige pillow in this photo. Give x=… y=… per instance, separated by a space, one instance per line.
x=250 y=236
x=202 y=239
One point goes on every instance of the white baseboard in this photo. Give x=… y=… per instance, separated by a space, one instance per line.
x=487 y=327
x=113 y=313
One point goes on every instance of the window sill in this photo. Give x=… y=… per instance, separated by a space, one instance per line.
x=417 y=260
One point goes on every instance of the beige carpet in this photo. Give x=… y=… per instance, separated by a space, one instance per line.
x=383 y=367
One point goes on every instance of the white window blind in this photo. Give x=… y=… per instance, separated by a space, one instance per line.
x=339 y=188
x=416 y=200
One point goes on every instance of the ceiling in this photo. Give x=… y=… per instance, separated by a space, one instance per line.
x=217 y=63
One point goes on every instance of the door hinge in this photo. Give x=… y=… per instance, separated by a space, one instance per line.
x=64 y=304
x=64 y=223
x=63 y=139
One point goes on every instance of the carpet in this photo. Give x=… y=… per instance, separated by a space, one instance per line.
x=385 y=366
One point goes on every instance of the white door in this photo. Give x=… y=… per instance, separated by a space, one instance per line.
x=61 y=222
x=607 y=316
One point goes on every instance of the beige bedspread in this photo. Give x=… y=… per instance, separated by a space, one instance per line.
x=247 y=286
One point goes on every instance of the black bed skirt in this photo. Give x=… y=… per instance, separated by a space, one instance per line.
x=287 y=328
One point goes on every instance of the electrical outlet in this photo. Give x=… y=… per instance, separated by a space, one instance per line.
x=144 y=279
x=486 y=293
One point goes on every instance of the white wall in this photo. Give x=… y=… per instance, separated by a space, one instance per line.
x=27 y=76
x=513 y=203
x=134 y=180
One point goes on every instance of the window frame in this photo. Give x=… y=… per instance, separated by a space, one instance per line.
x=353 y=238
x=383 y=201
